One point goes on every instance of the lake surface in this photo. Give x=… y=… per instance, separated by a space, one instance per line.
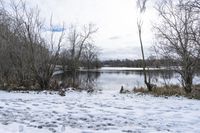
x=114 y=77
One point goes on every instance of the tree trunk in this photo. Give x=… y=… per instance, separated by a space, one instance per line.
x=148 y=84
x=188 y=83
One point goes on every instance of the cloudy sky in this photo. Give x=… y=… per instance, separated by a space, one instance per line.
x=116 y=20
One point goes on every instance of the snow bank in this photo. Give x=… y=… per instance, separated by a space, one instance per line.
x=107 y=112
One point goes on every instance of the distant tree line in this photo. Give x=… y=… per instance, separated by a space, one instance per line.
x=150 y=62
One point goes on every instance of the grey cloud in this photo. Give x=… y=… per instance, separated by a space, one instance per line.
x=114 y=37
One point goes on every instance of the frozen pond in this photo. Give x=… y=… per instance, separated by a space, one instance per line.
x=108 y=112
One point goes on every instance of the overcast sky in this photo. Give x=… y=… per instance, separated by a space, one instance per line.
x=116 y=20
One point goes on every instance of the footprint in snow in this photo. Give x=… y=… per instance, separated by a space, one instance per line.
x=21 y=128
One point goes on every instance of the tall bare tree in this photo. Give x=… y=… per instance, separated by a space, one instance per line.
x=141 y=4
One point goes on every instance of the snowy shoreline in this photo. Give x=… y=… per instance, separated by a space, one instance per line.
x=108 y=111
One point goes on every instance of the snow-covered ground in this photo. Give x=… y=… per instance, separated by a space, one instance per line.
x=106 y=112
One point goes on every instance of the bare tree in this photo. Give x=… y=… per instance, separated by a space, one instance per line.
x=78 y=41
x=31 y=56
x=43 y=54
x=178 y=35
x=194 y=4
x=90 y=55
x=12 y=48
x=142 y=7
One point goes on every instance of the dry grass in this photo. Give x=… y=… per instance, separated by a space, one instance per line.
x=195 y=92
x=171 y=90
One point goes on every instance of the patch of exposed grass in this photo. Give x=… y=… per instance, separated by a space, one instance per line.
x=170 y=90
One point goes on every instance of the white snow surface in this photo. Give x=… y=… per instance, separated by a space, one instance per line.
x=105 y=112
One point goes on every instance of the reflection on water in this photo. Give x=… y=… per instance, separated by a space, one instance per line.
x=114 y=79
x=80 y=79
